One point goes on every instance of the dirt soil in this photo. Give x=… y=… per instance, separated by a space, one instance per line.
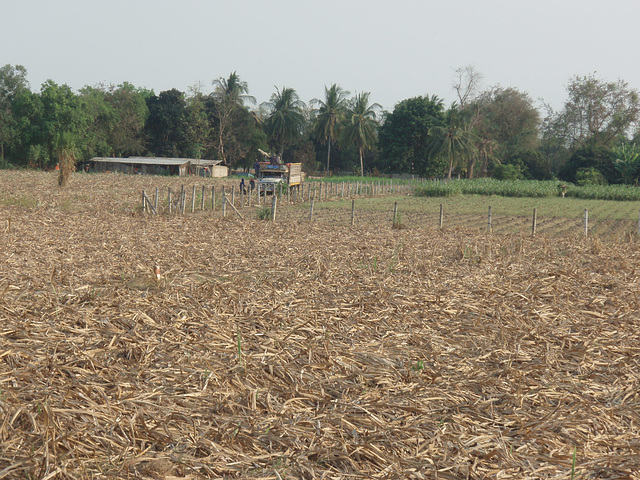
x=285 y=349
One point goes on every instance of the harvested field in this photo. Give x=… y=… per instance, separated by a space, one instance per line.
x=314 y=351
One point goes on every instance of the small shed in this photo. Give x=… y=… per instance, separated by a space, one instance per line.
x=157 y=166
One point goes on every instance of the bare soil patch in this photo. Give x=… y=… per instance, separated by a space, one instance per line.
x=297 y=350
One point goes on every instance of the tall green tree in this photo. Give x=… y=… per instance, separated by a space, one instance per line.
x=597 y=112
x=508 y=127
x=99 y=120
x=129 y=106
x=362 y=124
x=166 y=125
x=13 y=81
x=199 y=130
x=330 y=112
x=285 y=119
x=451 y=139
x=28 y=143
x=229 y=95
x=403 y=137
x=63 y=117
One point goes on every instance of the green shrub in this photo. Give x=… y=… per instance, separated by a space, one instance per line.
x=507 y=172
x=590 y=176
x=264 y=213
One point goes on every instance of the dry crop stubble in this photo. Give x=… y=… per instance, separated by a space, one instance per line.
x=311 y=351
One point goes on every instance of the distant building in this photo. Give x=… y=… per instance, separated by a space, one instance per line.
x=158 y=166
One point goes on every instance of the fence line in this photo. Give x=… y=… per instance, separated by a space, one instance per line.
x=313 y=192
x=321 y=191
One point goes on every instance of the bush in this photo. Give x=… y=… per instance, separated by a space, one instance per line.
x=507 y=172
x=590 y=176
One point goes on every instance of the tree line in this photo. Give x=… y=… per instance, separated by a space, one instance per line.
x=496 y=132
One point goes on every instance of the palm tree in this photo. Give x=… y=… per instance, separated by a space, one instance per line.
x=451 y=137
x=362 y=123
x=229 y=94
x=329 y=114
x=286 y=119
x=233 y=90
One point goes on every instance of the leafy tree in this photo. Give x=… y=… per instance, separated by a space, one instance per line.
x=597 y=112
x=286 y=120
x=98 y=121
x=532 y=164
x=229 y=96
x=166 y=124
x=331 y=111
x=361 y=125
x=199 y=131
x=63 y=117
x=510 y=119
x=28 y=142
x=129 y=107
x=403 y=137
x=450 y=138
x=599 y=158
x=13 y=81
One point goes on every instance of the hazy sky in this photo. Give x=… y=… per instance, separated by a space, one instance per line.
x=394 y=49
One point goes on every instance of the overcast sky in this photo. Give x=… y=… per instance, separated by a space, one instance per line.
x=394 y=49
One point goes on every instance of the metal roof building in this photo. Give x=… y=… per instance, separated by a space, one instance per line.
x=158 y=166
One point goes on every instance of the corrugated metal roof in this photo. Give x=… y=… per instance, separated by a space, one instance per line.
x=155 y=161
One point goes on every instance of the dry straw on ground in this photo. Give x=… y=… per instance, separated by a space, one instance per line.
x=288 y=350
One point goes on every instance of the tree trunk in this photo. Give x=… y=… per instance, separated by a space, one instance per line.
x=472 y=164
x=361 y=164
x=328 y=153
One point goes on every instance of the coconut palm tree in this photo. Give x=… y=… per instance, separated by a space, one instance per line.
x=285 y=121
x=329 y=114
x=451 y=138
x=361 y=125
x=233 y=90
x=229 y=94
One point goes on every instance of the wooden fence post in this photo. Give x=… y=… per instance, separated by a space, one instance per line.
x=213 y=198
x=395 y=214
x=535 y=220
x=224 y=204
x=274 y=205
x=353 y=212
x=183 y=199
x=489 y=220
x=233 y=194
x=311 y=210
x=586 y=222
x=146 y=204
x=193 y=199
x=441 y=216
x=202 y=199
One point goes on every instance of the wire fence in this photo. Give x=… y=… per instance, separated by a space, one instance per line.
x=340 y=203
